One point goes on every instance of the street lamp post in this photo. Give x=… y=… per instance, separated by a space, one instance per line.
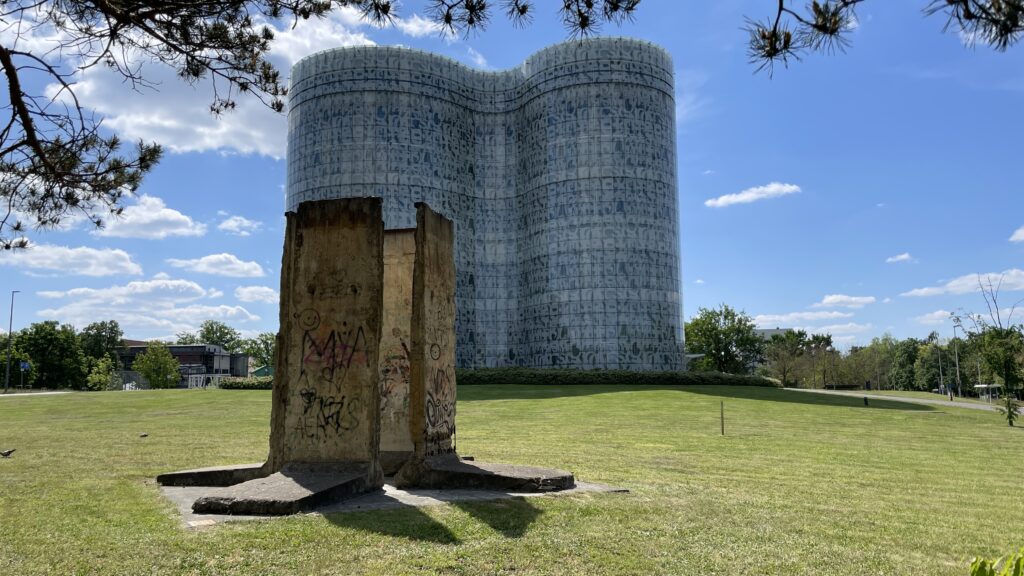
x=10 y=340
x=956 y=355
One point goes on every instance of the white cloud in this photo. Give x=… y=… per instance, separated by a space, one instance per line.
x=239 y=225
x=708 y=172
x=477 y=58
x=1018 y=235
x=843 y=341
x=1012 y=280
x=219 y=264
x=691 y=99
x=151 y=219
x=417 y=26
x=79 y=261
x=844 y=301
x=905 y=257
x=772 y=190
x=936 y=318
x=161 y=305
x=840 y=329
x=887 y=300
x=256 y=294
x=176 y=114
x=792 y=318
x=699 y=281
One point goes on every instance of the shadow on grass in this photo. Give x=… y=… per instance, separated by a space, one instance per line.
x=812 y=398
x=511 y=517
x=531 y=392
x=407 y=522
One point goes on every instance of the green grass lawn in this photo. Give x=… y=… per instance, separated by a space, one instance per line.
x=800 y=484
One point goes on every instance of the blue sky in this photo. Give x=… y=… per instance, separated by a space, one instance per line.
x=889 y=178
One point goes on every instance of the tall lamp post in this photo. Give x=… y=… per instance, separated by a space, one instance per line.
x=956 y=355
x=10 y=340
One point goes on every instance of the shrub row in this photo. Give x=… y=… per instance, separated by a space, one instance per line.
x=566 y=377
x=557 y=377
x=250 y=383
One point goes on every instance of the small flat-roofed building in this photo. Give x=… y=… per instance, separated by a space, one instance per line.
x=200 y=364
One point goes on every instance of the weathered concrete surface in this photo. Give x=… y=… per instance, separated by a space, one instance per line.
x=326 y=403
x=214 y=476
x=296 y=488
x=432 y=394
x=399 y=257
x=325 y=412
x=448 y=470
x=387 y=499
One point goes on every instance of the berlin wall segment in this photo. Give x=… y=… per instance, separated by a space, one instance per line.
x=338 y=397
x=395 y=349
x=325 y=408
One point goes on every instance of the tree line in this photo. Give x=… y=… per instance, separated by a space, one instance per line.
x=988 y=350
x=59 y=356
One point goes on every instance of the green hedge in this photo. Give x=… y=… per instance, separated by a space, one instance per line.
x=252 y=383
x=557 y=377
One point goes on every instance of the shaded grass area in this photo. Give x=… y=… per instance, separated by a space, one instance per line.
x=800 y=484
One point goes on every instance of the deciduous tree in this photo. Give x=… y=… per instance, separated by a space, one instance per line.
x=219 y=334
x=57 y=357
x=102 y=374
x=101 y=339
x=726 y=338
x=783 y=352
x=260 y=349
x=157 y=366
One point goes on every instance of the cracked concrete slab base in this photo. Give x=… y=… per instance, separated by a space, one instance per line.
x=388 y=498
x=296 y=488
x=450 y=471
x=212 y=476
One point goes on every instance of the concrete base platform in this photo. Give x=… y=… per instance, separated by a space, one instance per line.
x=214 y=476
x=449 y=471
x=296 y=488
x=390 y=498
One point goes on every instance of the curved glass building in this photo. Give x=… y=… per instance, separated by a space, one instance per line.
x=560 y=176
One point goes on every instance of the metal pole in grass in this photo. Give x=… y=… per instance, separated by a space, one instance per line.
x=10 y=339
x=722 y=414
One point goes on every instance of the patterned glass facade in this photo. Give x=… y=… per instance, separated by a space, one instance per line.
x=560 y=176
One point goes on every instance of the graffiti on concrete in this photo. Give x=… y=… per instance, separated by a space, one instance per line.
x=327 y=354
x=323 y=416
x=395 y=371
x=440 y=410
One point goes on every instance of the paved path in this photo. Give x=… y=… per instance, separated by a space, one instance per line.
x=29 y=394
x=928 y=401
x=388 y=498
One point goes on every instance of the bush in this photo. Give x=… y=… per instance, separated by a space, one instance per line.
x=1012 y=565
x=158 y=366
x=250 y=383
x=101 y=376
x=565 y=377
x=555 y=377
